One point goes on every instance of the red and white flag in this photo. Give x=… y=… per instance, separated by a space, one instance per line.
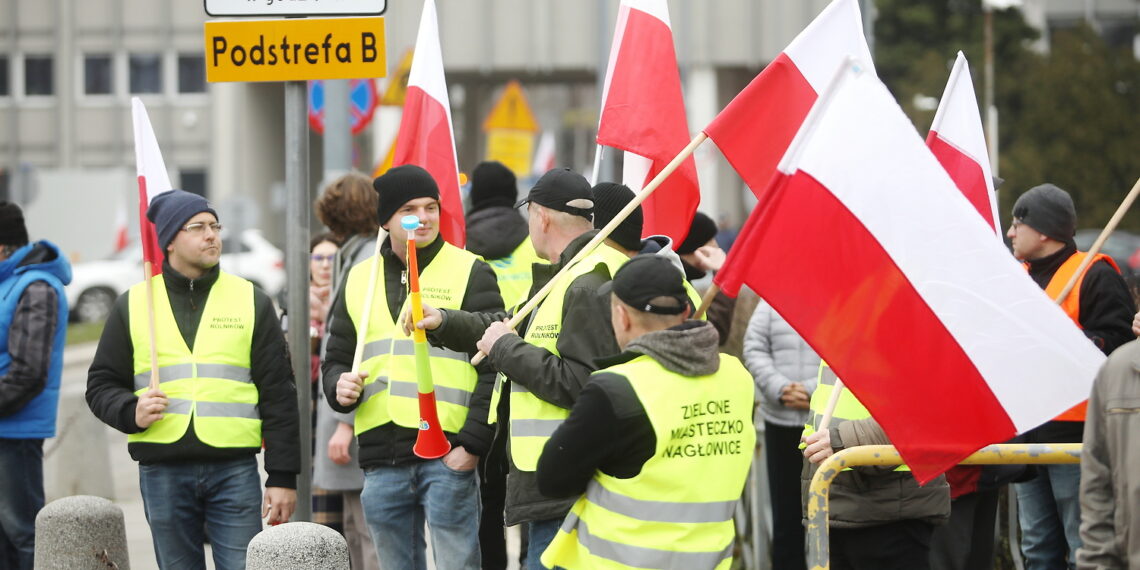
x=426 y=138
x=755 y=139
x=544 y=155
x=122 y=237
x=643 y=113
x=956 y=139
x=863 y=243
x=153 y=180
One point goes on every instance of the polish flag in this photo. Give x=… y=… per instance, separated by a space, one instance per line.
x=643 y=114
x=956 y=139
x=122 y=238
x=425 y=137
x=153 y=180
x=543 y=155
x=755 y=139
x=863 y=243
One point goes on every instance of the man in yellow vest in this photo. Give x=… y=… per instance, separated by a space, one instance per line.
x=497 y=232
x=1042 y=230
x=657 y=447
x=401 y=490
x=225 y=386
x=546 y=363
x=879 y=518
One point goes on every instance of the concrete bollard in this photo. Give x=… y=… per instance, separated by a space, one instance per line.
x=81 y=533
x=297 y=546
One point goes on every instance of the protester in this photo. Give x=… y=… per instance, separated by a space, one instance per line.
x=619 y=450
x=402 y=491
x=879 y=517
x=222 y=394
x=1110 y=466
x=785 y=369
x=497 y=232
x=346 y=207
x=1041 y=233
x=33 y=326
x=546 y=363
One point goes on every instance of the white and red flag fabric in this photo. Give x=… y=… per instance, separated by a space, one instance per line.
x=153 y=180
x=426 y=138
x=643 y=113
x=957 y=140
x=863 y=243
x=122 y=236
x=758 y=134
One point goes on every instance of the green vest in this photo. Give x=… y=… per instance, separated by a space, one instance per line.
x=532 y=419
x=390 y=392
x=209 y=387
x=677 y=513
x=848 y=407
x=513 y=272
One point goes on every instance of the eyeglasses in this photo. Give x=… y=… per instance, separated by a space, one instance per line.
x=199 y=227
x=318 y=258
x=1016 y=223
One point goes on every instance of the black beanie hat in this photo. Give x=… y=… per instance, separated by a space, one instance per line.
x=12 y=228
x=701 y=231
x=170 y=210
x=1049 y=210
x=401 y=185
x=609 y=199
x=493 y=184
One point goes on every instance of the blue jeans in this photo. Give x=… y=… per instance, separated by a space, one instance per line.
x=1049 y=510
x=185 y=502
x=540 y=535
x=397 y=501
x=21 y=498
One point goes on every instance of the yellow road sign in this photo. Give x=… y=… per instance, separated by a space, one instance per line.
x=398 y=83
x=512 y=112
x=300 y=49
x=511 y=147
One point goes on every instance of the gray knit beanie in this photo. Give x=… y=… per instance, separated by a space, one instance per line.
x=170 y=210
x=1049 y=210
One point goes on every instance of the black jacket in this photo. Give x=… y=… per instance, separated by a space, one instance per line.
x=587 y=335
x=1106 y=319
x=391 y=444
x=495 y=232
x=110 y=382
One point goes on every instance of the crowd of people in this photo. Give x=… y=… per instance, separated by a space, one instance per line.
x=613 y=422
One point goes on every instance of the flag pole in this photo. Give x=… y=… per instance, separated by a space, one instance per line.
x=362 y=326
x=832 y=402
x=706 y=301
x=1108 y=229
x=597 y=166
x=148 y=275
x=602 y=234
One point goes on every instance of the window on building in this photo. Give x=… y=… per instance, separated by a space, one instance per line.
x=5 y=89
x=39 y=77
x=145 y=72
x=191 y=73
x=194 y=180
x=98 y=76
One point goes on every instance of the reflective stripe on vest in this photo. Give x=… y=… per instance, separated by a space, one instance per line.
x=532 y=419
x=513 y=272
x=1072 y=307
x=848 y=408
x=210 y=386
x=677 y=512
x=390 y=391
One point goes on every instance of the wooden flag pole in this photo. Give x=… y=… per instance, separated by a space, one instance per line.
x=832 y=402
x=362 y=326
x=148 y=277
x=706 y=301
x=602 y=234
x=1107 y=231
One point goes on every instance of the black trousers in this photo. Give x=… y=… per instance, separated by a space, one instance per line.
x=901 y=545
x=493 y=493
x=966 y=542
x=784 y=465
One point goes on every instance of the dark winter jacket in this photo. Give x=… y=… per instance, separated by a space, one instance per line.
x=391 y=444
x=495 y=232
x=110 y=382
x=587 y=336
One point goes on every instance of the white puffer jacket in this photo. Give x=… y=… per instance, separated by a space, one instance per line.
x=776 y=355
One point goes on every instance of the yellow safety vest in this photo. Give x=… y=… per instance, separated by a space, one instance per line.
x=390 y=392
x=848 y=407
x=533 y=420
x=677 y=512
x=514 y=274
x=209 y=387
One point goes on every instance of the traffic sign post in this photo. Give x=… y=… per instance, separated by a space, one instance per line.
x=299 y=49
x=362 y=101
x=283 y=8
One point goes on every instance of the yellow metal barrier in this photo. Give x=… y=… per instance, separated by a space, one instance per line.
x=819 y=492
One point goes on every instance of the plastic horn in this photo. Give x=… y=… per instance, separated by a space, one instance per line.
x=430 y=442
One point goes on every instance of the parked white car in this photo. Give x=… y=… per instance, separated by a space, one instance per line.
x=96 y=284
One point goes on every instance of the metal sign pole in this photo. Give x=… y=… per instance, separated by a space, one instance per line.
x=297 y=271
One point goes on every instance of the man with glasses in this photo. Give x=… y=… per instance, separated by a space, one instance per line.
x=225 y=387
x=1041 y=233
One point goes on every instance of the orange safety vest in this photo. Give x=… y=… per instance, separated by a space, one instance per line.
x=1072 y=307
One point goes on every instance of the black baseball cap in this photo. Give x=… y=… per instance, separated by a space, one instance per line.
x=564 y=190
x=646 y=277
